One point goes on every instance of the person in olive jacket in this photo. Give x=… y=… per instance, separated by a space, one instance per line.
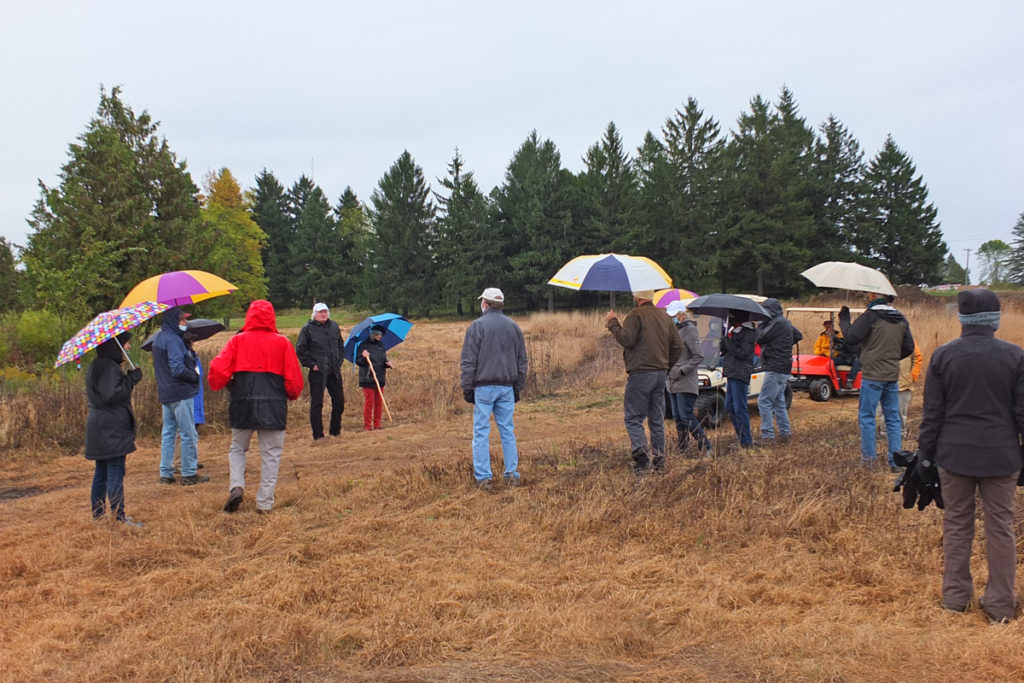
x=321 y=349
x=110 y=426
x=371 y=353
x=972 y=428
x=737 y=347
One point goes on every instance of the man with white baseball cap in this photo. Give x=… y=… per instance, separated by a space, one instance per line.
x=321 y=350
x=493 y=375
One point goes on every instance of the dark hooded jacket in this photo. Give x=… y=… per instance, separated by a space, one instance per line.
x=110 y=425
x=776 y=338
x=884 y=338
x=379 y=359
x=320 y=344
x=173 y=364
x=738 y=352
x=261 y=369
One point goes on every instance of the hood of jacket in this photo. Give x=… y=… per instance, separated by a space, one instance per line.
x=260 y=316
x=887 y=313
x=170 y=319
x=773 y=307
x=110 y=349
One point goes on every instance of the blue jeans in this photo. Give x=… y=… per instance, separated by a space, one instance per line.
x=736 y=405
x=682 y=408
x=108 y=484
x=870 y=394
x=500 y=402
x=771 y=402
x=179 y=417
x=644 y=399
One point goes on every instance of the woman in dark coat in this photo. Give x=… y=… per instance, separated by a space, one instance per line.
x=371 y=353
x=110 y=426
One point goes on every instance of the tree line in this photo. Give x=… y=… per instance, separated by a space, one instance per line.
x=739 y=211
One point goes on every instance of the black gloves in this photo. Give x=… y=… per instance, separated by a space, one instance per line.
x=469 y=395
x=134 y=375
x=515 y=395
x=844 y=312
x=919 y=481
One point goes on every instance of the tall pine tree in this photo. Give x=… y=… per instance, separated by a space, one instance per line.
x=464 y=258
x=269 y=210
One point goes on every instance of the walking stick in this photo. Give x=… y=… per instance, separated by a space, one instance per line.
x=382 y=400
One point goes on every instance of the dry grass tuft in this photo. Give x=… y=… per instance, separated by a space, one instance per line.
x=382 y=562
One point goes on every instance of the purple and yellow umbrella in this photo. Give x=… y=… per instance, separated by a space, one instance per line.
x=179 y=288
x=663 y=297
x=106 y=326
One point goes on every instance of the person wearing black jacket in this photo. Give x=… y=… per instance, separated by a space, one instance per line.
x=110 y=426
x=737 y=348
x=776 y=338
x=971 y=428
x=371 y=353
x=320 y=349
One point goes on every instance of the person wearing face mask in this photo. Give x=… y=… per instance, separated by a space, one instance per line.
x=177 y=383
x=493 y=375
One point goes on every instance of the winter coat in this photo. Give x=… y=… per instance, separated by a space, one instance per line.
x=261 y=370
x=110 y=424
x=493 y=353
x=738 y=353
x=649 y=339
x=320 y=344
x=777 y=337
x=974 y=405
x=378 y=357
x=682 y=377
x=173 y=364
x=884 y=338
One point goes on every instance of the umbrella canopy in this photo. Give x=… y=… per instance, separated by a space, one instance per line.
x=852 y=276
x=104 y=326
x=395 y=329
x=178 y=288
x=663 y=297
x=199 y=328
x=611 y=273
x=721 y=305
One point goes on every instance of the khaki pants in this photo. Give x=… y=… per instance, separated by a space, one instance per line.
x=996 y=493
x=271 y=445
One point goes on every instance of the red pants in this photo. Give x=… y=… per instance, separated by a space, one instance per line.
x=373 y=405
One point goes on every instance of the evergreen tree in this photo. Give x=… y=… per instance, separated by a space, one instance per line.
x=403 y=219
x=1015 y=259
x=235 y=254
x=353 y=235
x=315 y=250
x=533 y=221
x=126 y=209
x=268 y=208
x=992 y=261
x=840 y=174
x=464 y=259
x=952 y=272
x=609 y=187
x=902 y=235
x=10 y=284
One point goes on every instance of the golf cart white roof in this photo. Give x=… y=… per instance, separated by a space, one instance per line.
x=820 y=310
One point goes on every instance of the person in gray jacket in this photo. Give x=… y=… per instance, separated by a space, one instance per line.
x=682 y=380
x=776 y=338
x=971 y=429
x=493 y=376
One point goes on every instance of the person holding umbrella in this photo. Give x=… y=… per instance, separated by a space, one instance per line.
x=373 y=363
x=737 y=347
x=110 y=426
x=320 y=349
x=650 y=346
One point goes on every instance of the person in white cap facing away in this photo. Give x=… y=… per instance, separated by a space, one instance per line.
x=493 y=376
x=321 y=349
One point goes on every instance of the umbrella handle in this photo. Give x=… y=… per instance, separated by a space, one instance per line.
x=130 y=363
x=382 y=399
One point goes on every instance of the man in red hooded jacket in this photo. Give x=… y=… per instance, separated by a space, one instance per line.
x=262 y=372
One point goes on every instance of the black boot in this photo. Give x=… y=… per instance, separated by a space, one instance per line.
x=641 y=462
x=683 y=434
x=658 y=462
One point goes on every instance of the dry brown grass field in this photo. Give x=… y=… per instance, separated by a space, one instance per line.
x=382 y=562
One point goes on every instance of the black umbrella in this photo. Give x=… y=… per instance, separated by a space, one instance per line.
x=198 y=329
x=721 y=305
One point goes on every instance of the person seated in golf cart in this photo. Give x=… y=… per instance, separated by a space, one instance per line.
x=823 y=344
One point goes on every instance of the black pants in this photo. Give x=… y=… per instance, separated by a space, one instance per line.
x=317 y=382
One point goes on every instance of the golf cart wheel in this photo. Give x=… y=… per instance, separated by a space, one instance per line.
x=710 y=409
x=789 y=396
x=820 y=390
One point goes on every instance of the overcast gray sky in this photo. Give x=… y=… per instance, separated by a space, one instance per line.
x=338 y=90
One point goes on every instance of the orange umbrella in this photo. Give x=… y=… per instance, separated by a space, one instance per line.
x=178 y=288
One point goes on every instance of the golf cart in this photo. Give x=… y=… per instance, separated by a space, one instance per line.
x=823 y=377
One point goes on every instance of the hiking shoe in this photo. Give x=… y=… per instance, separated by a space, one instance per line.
x=128 y=521
x=992 y=619
x=261 y=511
x=953 y=608
x=166 y=480
x=484 y=485
x=234 y=499
x=194 y=479
x=513 y=482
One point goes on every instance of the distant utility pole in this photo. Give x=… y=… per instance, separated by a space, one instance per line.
x=967 y=268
